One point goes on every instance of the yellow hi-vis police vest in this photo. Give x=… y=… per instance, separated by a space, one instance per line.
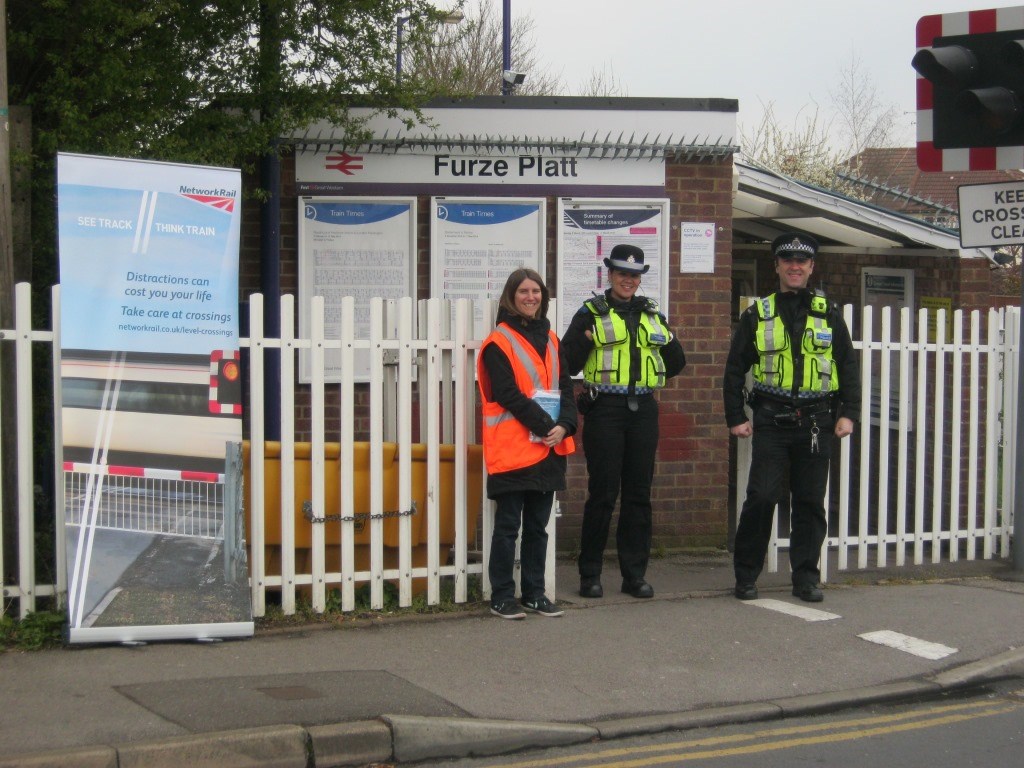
x=608 y=363
x=507 y=443
x=773 y=371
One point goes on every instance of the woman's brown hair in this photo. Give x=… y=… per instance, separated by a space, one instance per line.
x=508 y=294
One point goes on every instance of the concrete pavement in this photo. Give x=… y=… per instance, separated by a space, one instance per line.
x=401 y=689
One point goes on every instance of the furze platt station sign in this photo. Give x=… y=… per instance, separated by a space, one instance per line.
x=991 y=215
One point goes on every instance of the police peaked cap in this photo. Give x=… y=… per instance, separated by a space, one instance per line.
x=797 y=243
x=628 y=258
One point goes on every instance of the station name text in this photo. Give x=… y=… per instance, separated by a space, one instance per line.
x=522 y=167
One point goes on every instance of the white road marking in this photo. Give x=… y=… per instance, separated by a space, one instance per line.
x=792 y=609
x=913 y=645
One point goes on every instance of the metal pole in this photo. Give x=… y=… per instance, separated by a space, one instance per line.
x=398 y=50
x=8 y=432
x=270 y=286
x=1018 y=486
x=506 y=45
x=270 y=74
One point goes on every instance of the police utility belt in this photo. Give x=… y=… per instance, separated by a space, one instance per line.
x=787 y=413
x=591 y=392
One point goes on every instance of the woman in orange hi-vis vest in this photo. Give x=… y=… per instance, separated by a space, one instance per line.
x=529 y=417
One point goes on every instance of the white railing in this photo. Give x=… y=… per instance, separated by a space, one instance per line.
x=943 y=401
x=27 y=588
x=168 y=505
x=929 y=471
x=439 y=352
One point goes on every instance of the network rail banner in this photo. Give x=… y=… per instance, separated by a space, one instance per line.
x=151 y=400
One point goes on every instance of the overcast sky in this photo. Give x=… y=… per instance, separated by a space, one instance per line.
x=787 y=52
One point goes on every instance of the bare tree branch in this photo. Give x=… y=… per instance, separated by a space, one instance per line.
x=602 y=82
x=466 y=59
x=807 y=152
x=863 y=120
x=803 y=152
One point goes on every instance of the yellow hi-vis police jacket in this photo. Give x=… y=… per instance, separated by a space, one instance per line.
x=507 y=443
x=608 y=364
x=773 y=371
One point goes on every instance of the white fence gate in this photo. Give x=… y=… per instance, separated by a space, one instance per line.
x=932 y=475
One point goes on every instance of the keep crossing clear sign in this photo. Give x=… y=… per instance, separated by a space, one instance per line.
x=991 y=214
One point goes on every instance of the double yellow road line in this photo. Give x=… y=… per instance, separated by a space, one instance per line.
x=773 y=739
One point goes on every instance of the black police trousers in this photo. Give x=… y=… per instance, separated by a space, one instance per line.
x=620 y=446
x=780 y=452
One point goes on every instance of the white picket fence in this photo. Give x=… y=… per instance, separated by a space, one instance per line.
x=430 y=345
x=931 y=477
x=950 y=400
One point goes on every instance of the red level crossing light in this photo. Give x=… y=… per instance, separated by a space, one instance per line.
x=225 y=382
x=970 y=90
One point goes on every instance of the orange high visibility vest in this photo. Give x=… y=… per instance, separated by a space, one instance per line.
x=507 y=443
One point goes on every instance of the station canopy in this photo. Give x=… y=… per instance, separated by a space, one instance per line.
x=767 y=204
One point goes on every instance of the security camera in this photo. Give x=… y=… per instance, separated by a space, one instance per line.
x=513 y=78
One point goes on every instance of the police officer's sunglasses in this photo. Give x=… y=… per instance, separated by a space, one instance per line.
x=799 y=259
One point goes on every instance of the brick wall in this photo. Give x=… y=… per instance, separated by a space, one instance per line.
x=691 y=480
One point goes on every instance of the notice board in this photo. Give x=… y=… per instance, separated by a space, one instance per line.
x=589 y=229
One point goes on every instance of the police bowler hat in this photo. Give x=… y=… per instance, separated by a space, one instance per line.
x=795 y=243
x=628 y=258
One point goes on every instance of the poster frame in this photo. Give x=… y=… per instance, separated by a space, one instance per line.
x=566 y=306
x=305 y=290
x=437 y=245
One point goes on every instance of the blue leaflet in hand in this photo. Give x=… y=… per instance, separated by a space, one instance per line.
x=551 y=401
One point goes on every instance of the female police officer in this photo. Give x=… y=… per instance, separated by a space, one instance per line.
x=626 y=351
x=806 y=386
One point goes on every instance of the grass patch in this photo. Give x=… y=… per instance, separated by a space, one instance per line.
x=305 y=614
x=42 y=629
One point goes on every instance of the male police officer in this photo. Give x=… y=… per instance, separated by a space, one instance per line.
x=626 y=351
x=806 y=387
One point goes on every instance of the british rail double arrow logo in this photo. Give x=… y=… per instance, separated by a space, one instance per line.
x=345 y=163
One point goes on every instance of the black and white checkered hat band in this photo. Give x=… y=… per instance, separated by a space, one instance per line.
x=796 y=247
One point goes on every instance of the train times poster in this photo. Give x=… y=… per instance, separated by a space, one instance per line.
x=363 y=247
x=150 y=400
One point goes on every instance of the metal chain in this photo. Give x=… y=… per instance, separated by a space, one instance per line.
x=307 y=511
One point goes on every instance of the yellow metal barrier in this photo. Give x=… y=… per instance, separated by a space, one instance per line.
x=361 y=498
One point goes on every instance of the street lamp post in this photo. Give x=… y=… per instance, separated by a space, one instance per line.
x=452 y=18
x=506 y=45
x=398 y=49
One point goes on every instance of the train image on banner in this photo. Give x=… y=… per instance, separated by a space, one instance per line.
x=150 y=409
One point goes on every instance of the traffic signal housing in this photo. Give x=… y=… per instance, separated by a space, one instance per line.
x=225 y=382
x=978 y=89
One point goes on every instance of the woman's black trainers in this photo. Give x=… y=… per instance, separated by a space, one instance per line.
x=507 y=609
x=542 y=606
